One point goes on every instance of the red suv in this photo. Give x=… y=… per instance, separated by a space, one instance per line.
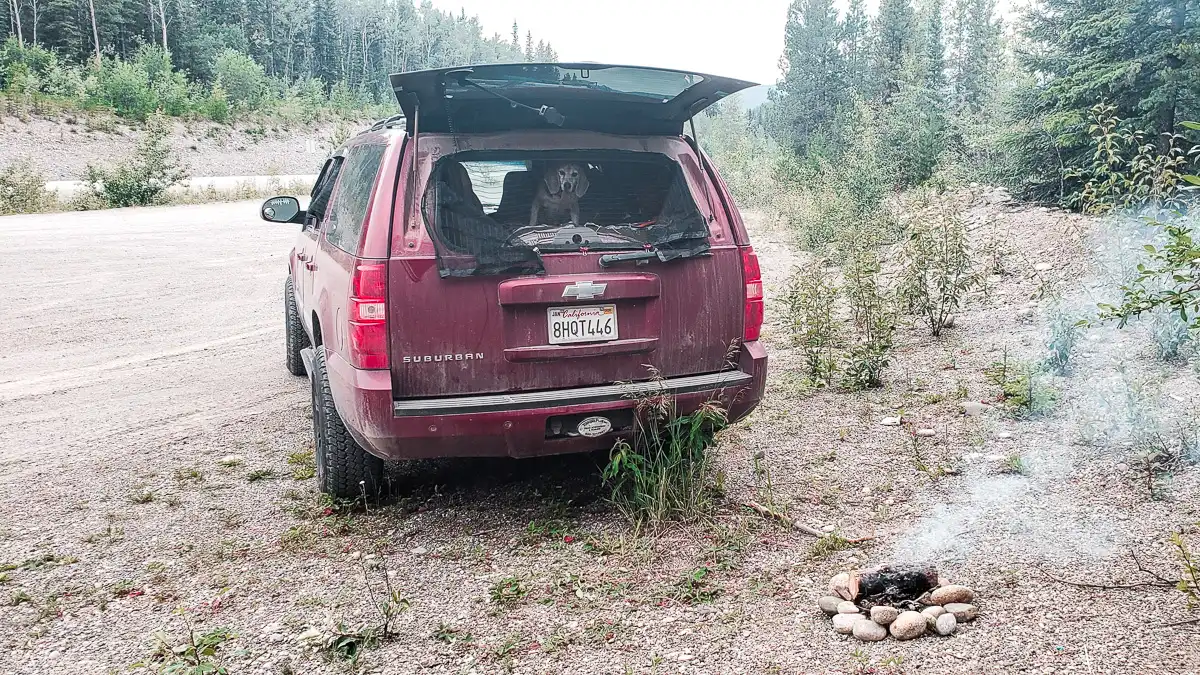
x=500 y=270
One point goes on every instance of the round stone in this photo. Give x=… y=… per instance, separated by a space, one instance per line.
x=944 y=595
x=908 y=626
x=868 y=631
x=829 y=604
x=962 y=611
x=847 y=607
x=884 y=615
x=931 y=614
x=926 y=433
x=844 y=623
x=946 y=624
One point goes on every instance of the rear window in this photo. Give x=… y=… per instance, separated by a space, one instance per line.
x=352 y=196
x=648 y=82
x=493 y=213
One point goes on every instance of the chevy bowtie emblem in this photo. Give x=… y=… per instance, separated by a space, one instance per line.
x=584 y=290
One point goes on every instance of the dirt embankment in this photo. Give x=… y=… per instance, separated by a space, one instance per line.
x=62 y=148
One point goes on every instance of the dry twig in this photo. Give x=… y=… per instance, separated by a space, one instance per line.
x=775 y=515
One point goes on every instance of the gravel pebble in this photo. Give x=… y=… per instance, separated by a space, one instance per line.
x=890 y=422
x=932 y=613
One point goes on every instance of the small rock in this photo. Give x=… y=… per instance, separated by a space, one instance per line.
x=944 y=595
x=844 y=623
x=972 y=408
x=829 y=528
x=420 y=550
x=868 y=631
x=889 y=501
x=1043 y=267
x=272 y=628
x=962 y=611
x=232 y=460
x=890 y=421
x=946 y=624
x=829 y=604
x=908 y=625
x=308 y=635
x=925 y=433
x=1122 y=467
x=884 y=615
x=847 y=607
x=275 y=638
x=1025 y=312
x=1004 y=435
x=931 y=614
x=844 y=586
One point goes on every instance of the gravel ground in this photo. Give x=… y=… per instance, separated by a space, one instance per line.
x=61 y=148
x=123 y=521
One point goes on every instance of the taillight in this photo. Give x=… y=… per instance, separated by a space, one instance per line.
x=752 y=275
x=368 y=316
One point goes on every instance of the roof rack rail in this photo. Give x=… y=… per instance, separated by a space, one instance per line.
x=385 y=123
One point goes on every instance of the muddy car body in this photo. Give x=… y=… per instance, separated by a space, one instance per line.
x=435 y=320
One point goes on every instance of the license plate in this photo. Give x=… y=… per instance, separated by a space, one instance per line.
x=593 y=323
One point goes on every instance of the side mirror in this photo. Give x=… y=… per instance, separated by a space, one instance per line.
x=282 y=210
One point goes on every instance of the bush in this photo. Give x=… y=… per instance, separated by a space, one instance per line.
x=216 y=106
x=244 y=81
x=143 y=179
x=125 y=88
x=23 y=189
x=937 y=270
x=663 y=474
x=874 y=322
x=810 y=299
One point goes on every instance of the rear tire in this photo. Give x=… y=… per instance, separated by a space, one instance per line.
x=344 y=469
x=293 y=331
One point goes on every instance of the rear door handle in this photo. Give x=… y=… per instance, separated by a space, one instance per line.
x=300 y=257
x=310 y=265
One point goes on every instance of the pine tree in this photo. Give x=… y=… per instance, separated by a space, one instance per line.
x=931 y=55
x=1137 y=55
x=894 y=42
x=976 y=52
x=62 y=28
x=516 y=36
x=327 y=42
x=855 y=48
x=813 y=89
x=529 y=46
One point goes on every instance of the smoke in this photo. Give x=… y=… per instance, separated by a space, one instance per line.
x=1121 y=392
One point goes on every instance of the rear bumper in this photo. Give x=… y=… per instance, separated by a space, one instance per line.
x=514 y=425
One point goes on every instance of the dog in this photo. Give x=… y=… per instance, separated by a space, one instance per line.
x=562 y=186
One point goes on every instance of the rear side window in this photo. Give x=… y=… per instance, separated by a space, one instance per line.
x=352 y=196
x=321 y=192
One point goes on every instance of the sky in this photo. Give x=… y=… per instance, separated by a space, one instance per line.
x=734 y=38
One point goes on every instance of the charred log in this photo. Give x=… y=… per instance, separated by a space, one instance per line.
x=895 y=586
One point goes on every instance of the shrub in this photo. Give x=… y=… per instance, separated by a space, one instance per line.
x=126 y=89
x=216 y=106
x=810 y=301
x=1021 y=389
x=1064 y=333
x=937 y=271
x=23 y=189
x=244 y=81
x=874 y=322
x=663 y=474
x=144 y=178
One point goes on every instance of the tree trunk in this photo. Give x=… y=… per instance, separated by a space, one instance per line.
x=17 y=18
x=162 y=15
x=95 y=32
x=33 y=4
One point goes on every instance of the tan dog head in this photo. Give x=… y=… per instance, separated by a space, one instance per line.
x=567 y=177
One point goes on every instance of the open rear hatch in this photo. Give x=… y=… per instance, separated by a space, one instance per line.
x=587 y=96
x=649 y=283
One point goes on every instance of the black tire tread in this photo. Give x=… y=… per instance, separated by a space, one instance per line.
x=344 y=469
x=294 y=335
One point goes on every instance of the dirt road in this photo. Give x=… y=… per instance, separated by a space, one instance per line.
x=130 y=329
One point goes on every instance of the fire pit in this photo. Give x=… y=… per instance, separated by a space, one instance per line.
x=904 y=601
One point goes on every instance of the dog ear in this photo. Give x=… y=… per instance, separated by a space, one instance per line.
x=553 y=184
x=582 y=183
